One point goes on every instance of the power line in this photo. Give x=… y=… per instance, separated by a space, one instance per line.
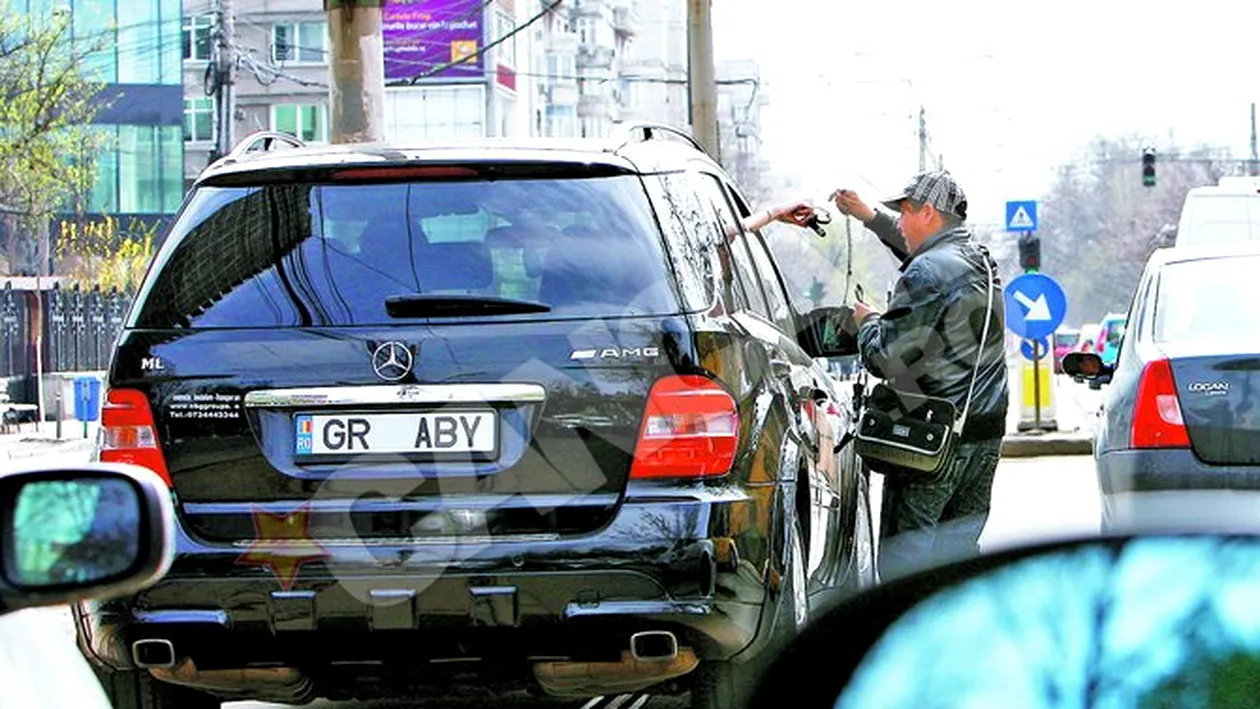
x=267 y=74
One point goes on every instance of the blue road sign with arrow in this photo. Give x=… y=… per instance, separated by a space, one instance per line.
x=1021 y=216
x=1035 y=306
x=1043 y=348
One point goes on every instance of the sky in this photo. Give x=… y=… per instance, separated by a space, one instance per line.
x=1010 y=90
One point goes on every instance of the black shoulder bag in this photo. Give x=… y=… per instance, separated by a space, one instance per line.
x=901 y=433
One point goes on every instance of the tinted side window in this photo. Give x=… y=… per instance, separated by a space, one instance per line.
x=298 y=254
x=771 y=280
x=717 y=225
x=682 y=216
x=748 y=273
x=771 y=283
x=744 y=270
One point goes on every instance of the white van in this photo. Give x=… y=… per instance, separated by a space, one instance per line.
x=1227 y=212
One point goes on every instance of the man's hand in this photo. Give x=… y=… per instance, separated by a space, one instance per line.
x=861 y=311
x=849 y=204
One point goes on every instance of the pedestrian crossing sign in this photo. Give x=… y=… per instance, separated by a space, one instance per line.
x=1021 y=220
x=1021 y=216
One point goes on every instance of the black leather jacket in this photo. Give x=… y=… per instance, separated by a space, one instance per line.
x=928 y=340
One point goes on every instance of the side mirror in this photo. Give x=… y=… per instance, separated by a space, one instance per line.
x=828 y=332
x=1087 y=366
x=97 y=530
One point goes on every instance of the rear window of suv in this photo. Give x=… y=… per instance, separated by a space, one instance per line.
x=301 y=254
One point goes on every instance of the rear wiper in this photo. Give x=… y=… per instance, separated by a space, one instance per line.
x=439 y=305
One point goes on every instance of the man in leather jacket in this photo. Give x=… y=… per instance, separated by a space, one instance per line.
x=927 y=343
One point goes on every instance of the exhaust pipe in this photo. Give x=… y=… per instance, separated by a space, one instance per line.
x=653 y=645
x=153 y=652
x=654 y=657
x=271 y=684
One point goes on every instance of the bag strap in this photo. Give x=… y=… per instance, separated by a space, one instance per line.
x=988 y=319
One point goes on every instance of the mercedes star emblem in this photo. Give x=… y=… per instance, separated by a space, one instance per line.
x=392 y=361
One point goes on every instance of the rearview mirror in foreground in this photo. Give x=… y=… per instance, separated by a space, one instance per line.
x=1059 y=623
x=95 y=530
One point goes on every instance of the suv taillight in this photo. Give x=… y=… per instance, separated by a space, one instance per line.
x=1157 y=420
x=690 y=429
x=129 y=433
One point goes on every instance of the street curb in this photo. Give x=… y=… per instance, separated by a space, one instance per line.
x=53 y=447
x=1031 y=446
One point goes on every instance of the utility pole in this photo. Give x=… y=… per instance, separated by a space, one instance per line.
x=1253 y=168
x=702 y=79
x=922 y=139
x=356 y=93
x=224 y=61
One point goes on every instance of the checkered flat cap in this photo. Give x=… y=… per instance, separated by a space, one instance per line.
x=937 y=188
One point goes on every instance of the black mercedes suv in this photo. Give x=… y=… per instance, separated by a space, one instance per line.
x=487 y=418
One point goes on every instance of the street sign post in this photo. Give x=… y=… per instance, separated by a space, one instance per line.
x=1021 y=216
x=1038 y=396
x=1035 y=307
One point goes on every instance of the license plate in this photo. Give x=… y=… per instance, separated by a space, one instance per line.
x=475 y=432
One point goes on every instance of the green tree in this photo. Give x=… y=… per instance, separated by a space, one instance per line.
x=48 y=148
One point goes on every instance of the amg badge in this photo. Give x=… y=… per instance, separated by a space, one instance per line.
x=621 y=353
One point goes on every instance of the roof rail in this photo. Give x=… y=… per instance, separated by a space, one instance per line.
x=267 y=138
x=627 y=132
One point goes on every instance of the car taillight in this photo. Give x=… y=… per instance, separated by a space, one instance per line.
x=1157 y=420
x=690 y=429
x=129 y=433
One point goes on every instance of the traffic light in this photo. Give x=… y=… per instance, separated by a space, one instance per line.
x=1029 y=253
x=1148 y=167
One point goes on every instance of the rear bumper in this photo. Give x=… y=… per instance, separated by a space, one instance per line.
x=694 y=561
x=1122 y=471
x=1157 y=488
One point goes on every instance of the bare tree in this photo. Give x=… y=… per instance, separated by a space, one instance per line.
x=1100 y=224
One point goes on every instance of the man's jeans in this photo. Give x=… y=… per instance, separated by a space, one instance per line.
x=925 y=522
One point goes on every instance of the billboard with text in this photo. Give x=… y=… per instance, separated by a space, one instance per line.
x=433 y=39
